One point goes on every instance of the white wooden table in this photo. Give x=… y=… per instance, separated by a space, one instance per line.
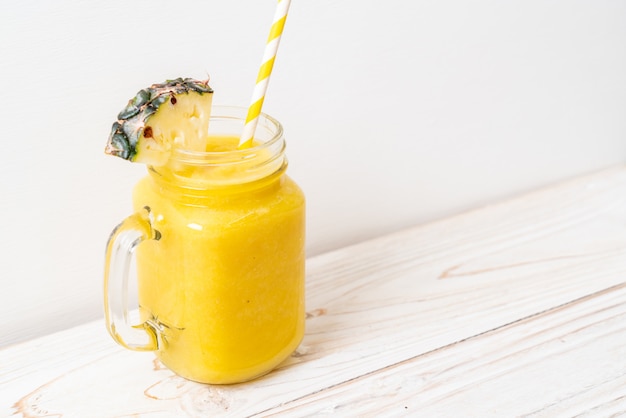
x=517 y=309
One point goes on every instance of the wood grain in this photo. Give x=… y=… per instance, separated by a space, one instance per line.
x=514 y=309
x=567 y=361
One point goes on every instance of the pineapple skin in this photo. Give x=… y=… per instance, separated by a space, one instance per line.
x=145 y=130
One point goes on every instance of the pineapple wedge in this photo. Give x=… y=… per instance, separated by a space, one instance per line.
x=160 y=118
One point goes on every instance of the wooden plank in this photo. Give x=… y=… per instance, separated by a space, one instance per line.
x=568 y=361
x=371 y=306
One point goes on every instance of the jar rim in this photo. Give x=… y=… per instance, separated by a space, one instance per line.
x=235 y=114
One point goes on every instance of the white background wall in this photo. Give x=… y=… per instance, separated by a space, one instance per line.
x=397 y=113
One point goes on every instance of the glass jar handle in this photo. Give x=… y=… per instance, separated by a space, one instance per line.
x=120 y=248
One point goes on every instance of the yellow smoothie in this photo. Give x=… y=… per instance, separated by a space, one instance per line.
x=224 y=283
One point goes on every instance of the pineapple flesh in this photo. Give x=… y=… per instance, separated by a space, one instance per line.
x=160 y=118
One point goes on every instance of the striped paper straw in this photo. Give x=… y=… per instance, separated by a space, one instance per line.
x=265 y=71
